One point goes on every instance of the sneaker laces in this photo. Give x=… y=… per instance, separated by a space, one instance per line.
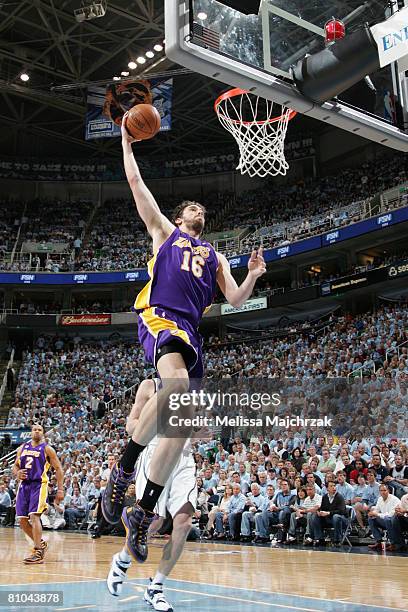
x=142 y=531
x=37 y=554
x=119 y=489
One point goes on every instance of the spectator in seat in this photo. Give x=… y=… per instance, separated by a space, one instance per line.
x=399 y=524
x=106 y=472
x=379 y=517
x=256 y=502
x=332 y=513
x=53 y=517
x=315 y=481
x=209 y=483
x=221 y=508
x=327 y=463
x=301 y=515
x=5 y=502
x=359 y=469
x=233 y=514
x=297 y=459
x=369 y=499
x=380 y=471
x=398 y=477
x=75 y=507
x=344 y=488
x=278 y=512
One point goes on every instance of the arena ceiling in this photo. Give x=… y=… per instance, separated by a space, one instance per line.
x=43 y=38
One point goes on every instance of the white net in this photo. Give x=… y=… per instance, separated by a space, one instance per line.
x=260 y=136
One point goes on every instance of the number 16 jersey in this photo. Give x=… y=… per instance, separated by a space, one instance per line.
x=183 y=276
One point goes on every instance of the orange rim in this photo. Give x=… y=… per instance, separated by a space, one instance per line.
x=233 y=93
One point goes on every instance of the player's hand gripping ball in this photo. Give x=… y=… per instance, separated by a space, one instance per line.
x=142 y=121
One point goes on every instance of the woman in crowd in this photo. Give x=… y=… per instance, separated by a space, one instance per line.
x=298 y=459
x=222 y=507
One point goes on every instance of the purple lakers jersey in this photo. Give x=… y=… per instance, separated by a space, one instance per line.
x=34 y=460
x=182 y=277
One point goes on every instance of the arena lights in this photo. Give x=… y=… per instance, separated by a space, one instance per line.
x=141 y=60
x=123 y=73
x=24 y=77
x=132 y=65
x=149 y=54
x=201 y=15
x=158 y=47
x=116 y=78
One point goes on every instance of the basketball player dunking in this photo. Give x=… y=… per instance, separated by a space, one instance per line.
x=184 y=272
x=179 y=499
x=31 y=468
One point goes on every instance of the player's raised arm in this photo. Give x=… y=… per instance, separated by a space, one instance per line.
x=59 y=473
x=157 y=224
x=236 y=296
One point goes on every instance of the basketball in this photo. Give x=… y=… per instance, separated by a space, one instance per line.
x=143 y=121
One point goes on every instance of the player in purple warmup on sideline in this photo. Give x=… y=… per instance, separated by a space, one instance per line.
x=184 y=273
x=33 y=461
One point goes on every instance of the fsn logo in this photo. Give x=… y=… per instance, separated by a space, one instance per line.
x=235 y=262
x=80 y=278
x=384 y=219
x=27 y=278
x=283 y=251
x=332 y=236
x=132 y=276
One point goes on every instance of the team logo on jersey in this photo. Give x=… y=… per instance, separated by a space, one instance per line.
x=184 y=243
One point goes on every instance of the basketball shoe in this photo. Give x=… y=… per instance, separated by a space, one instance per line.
x=154 y=596
x=113 y=497
x=36 y=557
x=117 y=575
x=137 y=522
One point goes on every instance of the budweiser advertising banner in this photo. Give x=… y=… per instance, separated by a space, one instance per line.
x=86 y=319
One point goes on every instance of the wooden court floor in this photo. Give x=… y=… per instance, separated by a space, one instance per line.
x=209 y=577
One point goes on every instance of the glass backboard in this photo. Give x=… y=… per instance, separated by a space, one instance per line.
x=285 y=31
x=256 y=52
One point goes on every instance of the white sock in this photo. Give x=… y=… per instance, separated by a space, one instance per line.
x=124 y=556
x=159 y=578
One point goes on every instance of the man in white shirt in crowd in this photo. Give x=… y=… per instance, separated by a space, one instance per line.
x=302 y=515
x=75 y=507
x=256 y=502
x=106 y=472
x=379 y=517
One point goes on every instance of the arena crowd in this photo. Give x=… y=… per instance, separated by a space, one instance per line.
x=252 y=484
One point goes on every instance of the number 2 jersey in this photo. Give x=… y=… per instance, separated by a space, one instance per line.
x=34 y=460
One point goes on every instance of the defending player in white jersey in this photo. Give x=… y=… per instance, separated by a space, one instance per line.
x=179 y=497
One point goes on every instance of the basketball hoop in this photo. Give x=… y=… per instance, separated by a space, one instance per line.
x=261 y=141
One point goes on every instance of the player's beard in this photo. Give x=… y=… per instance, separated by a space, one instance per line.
x=197 y=225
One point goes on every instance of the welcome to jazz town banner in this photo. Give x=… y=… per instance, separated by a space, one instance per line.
x=107 y=105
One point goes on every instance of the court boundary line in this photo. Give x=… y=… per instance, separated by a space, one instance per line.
x=55 y=582
x=223 y=586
